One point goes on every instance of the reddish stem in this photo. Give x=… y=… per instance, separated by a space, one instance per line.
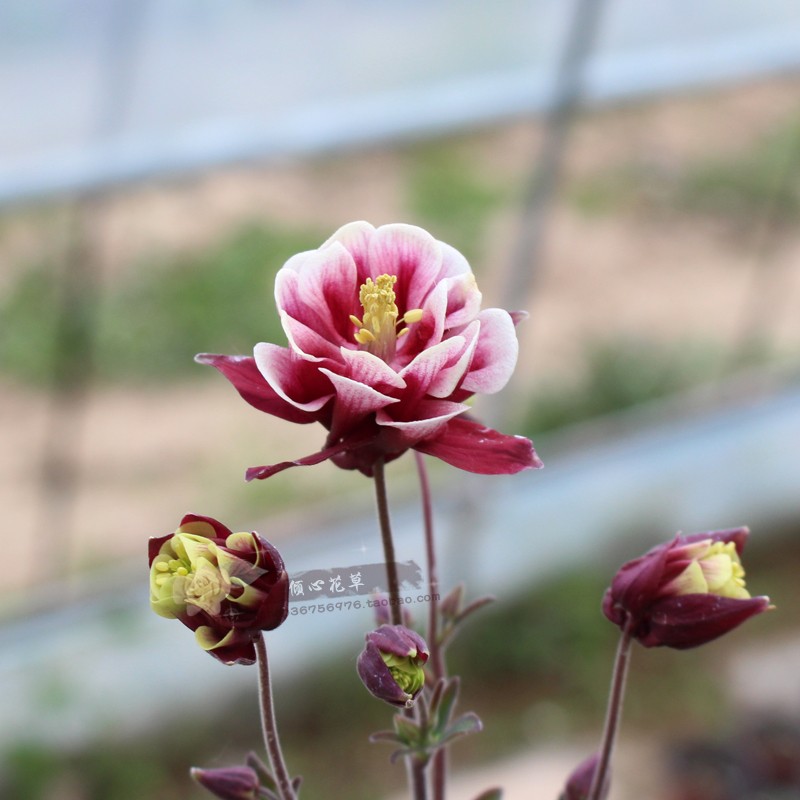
x=269 y=725
x=613 y=713
x=382 y=501
x=438 y=668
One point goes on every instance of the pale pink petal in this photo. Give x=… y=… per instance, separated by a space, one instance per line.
x=429 y=330
x=354 y=398
x=453 y=262
x=463 y=300
x=448 y=378
x=355 y=237
x=410 y=253
x=468 y=445
x=351 y=233
x=306 y=342
x=425 y=368
x=366 y=367
x=243 y=373
x=288 y=296
x=496 y=354
x=320 y=289
x=294 y=379
x=430 y=417
x=354 y=401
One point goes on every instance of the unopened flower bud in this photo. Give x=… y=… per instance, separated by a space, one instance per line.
x=684 y=593
x=391 y=665
x=229 y=783
x=579 y=783
x=227 y=587
x=450 y=604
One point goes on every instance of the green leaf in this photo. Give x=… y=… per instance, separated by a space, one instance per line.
x=408 y=731
x=405 y=751
x=436 y=696
x=265 y=777
x=385 y=736
x=463 y=726
x=446 y=706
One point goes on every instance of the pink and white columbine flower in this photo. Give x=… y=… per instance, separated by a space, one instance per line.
x=387 y=341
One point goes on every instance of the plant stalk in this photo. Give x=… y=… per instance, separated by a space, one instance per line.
x=416 y=768
x=437 y=657
x=382 y=501
x=613 y=713
x=419 y=783
x=438 y=667
x=268 y=724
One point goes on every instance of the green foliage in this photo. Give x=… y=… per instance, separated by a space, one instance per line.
x=29 y=771
x=27 y=326
x=553 y=638
x=124 y=777
x=542 y=665
x=37 y=772
x=614 y=190
x=449 y=196
x=215 y=301
x=762 y=181
x=328 y=714
x=620 y=375
x=150 y=324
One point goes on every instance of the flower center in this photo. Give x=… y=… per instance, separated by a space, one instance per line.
x=166 y=570
x=377 y=331
x=202 y=585
x=406 y=671
x=724 y=571
x=715 y=569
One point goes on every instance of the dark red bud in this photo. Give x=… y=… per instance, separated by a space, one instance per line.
x=229 y=783
x=391 y=666
x=579 y=782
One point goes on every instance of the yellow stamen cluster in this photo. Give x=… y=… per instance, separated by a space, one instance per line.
x=207 y=588
x=726 y=576
x=377 y=331
x=715 y=569
x=165 y=570
x=191 y=582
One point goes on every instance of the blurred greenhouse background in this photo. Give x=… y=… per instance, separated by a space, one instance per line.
x=628 y=172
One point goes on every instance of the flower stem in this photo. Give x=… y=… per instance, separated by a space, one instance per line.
x=419 y=782
x=388 y=544
x=415 y=767
x=613 y=713
x=269 y=726
x=437 y=657
x=438 y=668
